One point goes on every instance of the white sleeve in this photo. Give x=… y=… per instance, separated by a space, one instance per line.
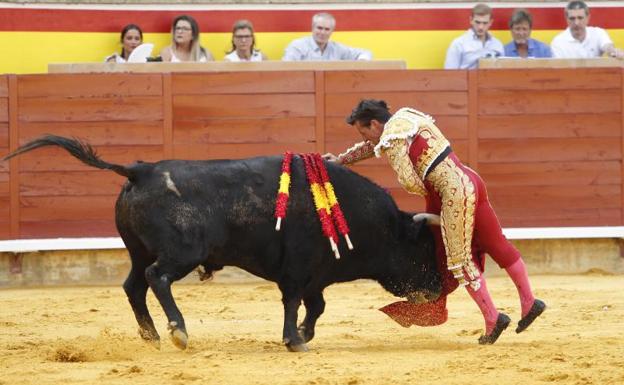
x=453 y=56
x=603 y=39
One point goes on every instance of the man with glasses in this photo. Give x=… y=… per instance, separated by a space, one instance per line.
x=579 y=41
x=319 y=47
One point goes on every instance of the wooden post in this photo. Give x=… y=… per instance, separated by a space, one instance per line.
x=473 y=115
x=319 y=103
x=14 y=180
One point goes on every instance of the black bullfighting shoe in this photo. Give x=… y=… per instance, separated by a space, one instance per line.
x=501 y=324
x=536 y=310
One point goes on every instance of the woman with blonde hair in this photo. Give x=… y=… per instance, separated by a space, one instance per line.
x=243 y=43
x=185 y=45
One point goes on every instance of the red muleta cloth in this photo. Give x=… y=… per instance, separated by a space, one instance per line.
x=407 y=314
x=432 y=313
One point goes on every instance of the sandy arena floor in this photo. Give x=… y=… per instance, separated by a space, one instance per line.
x=87 y=335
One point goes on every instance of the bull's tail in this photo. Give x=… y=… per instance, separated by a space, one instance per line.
x=80 y=150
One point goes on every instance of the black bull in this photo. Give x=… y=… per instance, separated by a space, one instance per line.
x=176 y=215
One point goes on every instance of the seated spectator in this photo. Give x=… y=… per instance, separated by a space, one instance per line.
x=244 y=43
x=185 y=45
x=522 y=45
x=318 y=46
x=476 y=43
x=131 y=37
x=579 y=41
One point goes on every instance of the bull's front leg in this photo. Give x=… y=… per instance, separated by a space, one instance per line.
x=315 y=306
x=291 y=300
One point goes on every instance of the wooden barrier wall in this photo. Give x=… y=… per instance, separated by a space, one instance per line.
x=548 y=142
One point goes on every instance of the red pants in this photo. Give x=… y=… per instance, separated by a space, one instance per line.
x=487 y=236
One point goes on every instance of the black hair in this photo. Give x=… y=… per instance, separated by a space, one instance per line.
x=576 y=4
x=519 y=16
x=367 y=110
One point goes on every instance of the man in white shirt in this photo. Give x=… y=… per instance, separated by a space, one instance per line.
x=319 y=47
x=476 y=43
x=579 y=41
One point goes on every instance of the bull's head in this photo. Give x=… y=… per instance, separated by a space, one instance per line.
x=414 y=272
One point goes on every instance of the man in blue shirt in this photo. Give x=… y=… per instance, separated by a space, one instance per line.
x=476 y=43
x=522 y=45
x=319 y=47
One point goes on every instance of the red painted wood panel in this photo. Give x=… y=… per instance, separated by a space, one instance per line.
x=580 y=79
x=507 y=102
x=588 y=125
x=265 y=130
x=5 y=205
x=545 y=217
x=56 y=159
x=4 y=86
x=99 y=133
x=271 y=82
x=539 y=149
x=243 y=106
x=76 y=228
x=4 y=136
x=433 y=103
x=564 y=174
x=98 y=207
x=89 y=85
x=74 y=183
x=122 y=108
x=237 y=151
x=554 y=197
x=395 y=81
x=5 y=229
x=549 y=141
x=4 y=184
x=4 y=110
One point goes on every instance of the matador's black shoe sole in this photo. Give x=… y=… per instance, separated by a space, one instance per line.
x=536 y=310
x=501 y=324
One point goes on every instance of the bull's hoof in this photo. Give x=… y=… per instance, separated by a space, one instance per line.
x=305 y=333
x=178 y=336
x=301 y=348
x=151 y=337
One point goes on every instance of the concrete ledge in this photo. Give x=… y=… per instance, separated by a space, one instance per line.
x=111 y=266
x=27 y=245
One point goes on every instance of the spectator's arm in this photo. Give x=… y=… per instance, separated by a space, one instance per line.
x=453 y=56
x=556 y=50
x=610 y=50
x=292 y=53
x=362 y=54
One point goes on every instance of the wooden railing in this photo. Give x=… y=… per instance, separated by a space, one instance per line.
x=548 y=142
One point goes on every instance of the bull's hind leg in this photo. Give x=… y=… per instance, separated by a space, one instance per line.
x=291 y=298
x=160 y=277
x=315 y=306
x=135 y=287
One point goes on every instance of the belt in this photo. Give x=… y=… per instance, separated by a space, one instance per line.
x=439 y=159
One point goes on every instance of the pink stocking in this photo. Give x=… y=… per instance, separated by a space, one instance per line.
x=518 y=274
x=484 y=301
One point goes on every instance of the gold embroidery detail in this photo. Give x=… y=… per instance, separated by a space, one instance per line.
x=359 y=151
x=399 y=159
x=457 y=193
x=407 y=123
